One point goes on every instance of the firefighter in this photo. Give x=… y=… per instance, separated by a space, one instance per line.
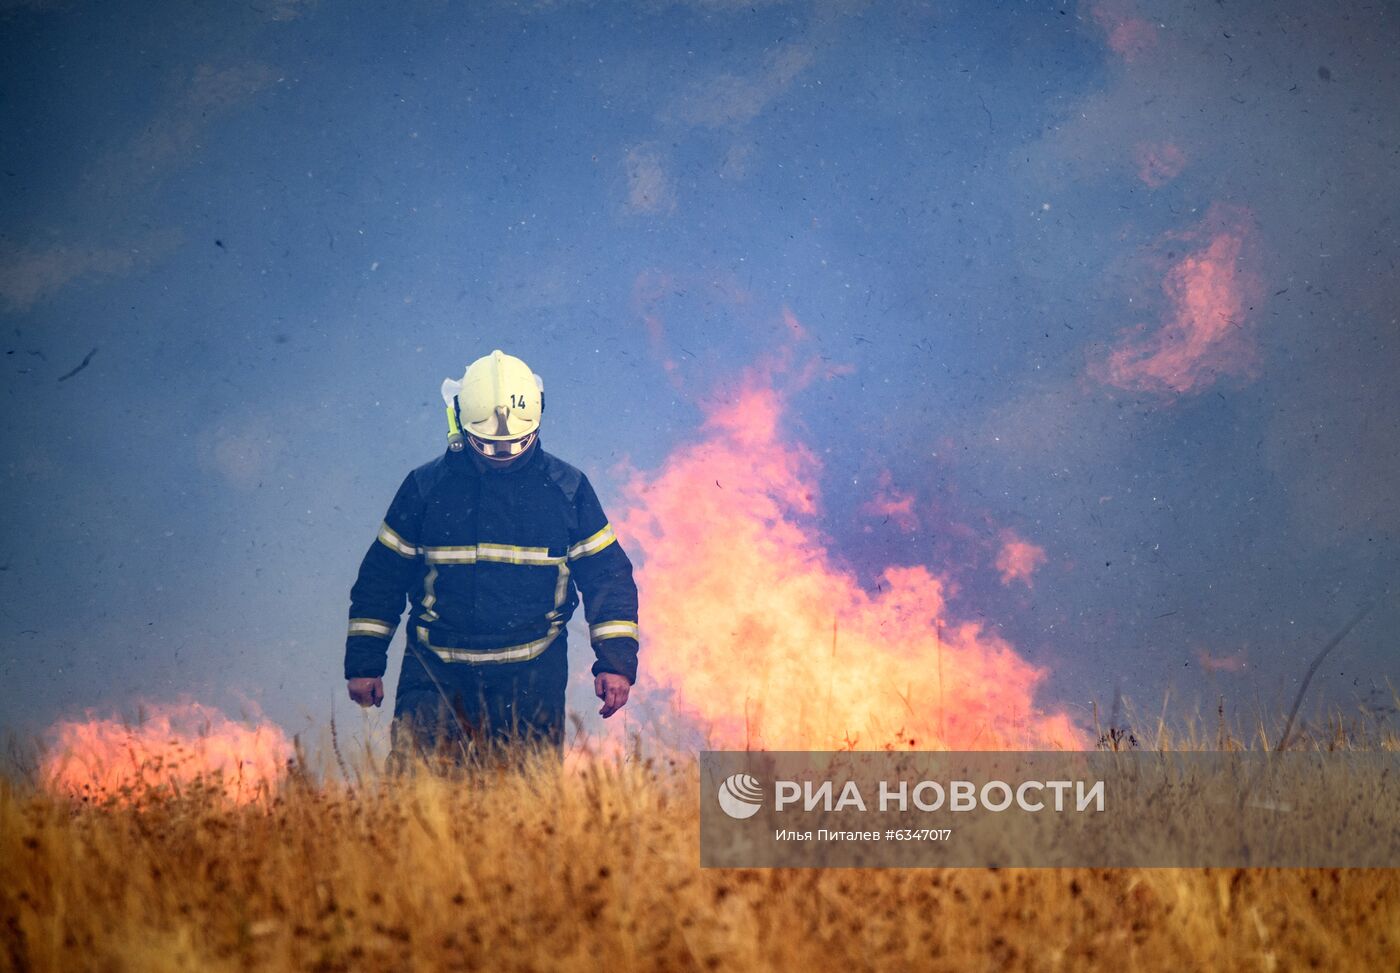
x=491 y=543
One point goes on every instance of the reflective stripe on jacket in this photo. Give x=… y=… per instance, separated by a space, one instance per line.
x=491 y=564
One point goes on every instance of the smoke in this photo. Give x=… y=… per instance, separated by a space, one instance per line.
x=1130 y=37
x=1234 y=662
x=649 y=189
x=892 y=504
x=1018 y=558
x=1158 y=163
x=1206 y=328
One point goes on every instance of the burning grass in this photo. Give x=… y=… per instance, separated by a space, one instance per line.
x=597 y=868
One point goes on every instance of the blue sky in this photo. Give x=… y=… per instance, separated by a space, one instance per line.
x=281 y=225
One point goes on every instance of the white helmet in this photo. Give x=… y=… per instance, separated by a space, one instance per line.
x=498 y=403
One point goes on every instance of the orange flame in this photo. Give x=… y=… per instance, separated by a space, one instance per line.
x=1018 y=558
x=1158 y=163
x=768 y=643
x=1210 y=293
x=173 y=747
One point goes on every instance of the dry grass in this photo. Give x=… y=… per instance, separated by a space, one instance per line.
x=598 y=870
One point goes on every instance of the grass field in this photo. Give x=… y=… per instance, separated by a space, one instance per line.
x=597 y=869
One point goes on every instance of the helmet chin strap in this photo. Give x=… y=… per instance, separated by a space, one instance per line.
x=512 y=450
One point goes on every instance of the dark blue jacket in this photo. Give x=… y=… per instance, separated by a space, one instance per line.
x=492 y=563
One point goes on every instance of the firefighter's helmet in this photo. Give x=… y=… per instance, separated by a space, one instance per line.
x=496 y=407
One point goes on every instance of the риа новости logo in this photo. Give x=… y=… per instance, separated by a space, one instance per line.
x=740 y=796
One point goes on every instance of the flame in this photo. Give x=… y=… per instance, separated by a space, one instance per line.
x=1018 y=558
x=767 y=642
x=1210 y=293
x=172 y=747
x=1158 y=163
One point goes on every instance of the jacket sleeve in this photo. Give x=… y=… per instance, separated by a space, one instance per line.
x=604 y=577
x=388 y=571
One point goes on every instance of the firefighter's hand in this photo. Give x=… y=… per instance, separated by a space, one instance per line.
x=612 y=689
x=367 y=691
